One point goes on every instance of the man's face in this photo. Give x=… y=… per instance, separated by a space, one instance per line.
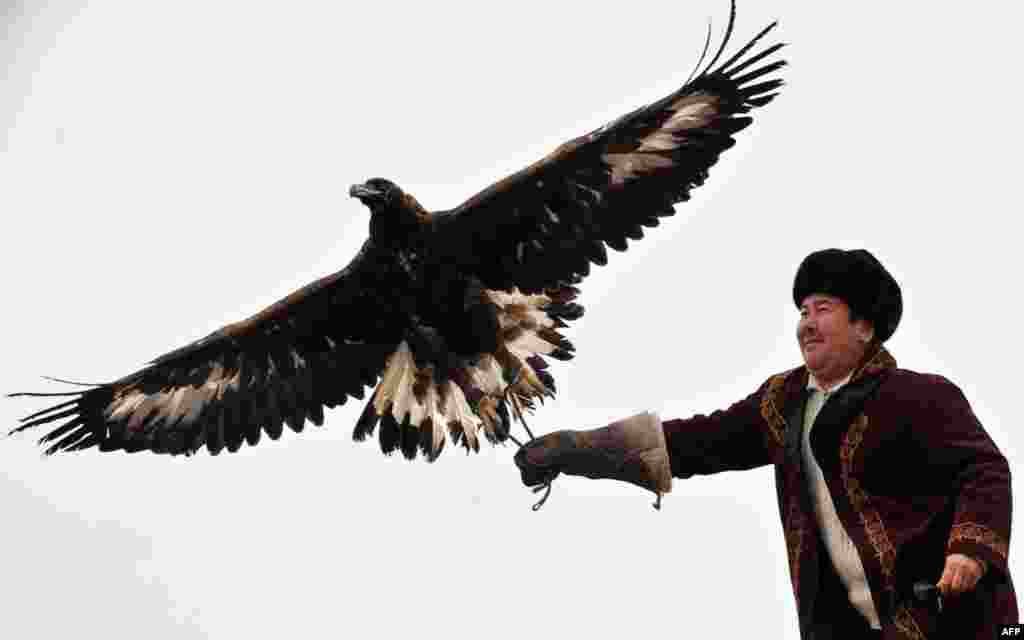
x=830 y=344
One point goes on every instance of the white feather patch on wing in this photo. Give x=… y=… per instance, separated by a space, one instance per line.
x=230 y=383
x=122 y=406
x=626 y=166
x=688 y=112
x=691 y=112
x=659 y=141
x=171 y=411
x=180 y=402
x=197 y=400
x=148 y=404
x=173 y=404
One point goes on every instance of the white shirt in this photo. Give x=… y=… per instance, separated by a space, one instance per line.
x=840 y=548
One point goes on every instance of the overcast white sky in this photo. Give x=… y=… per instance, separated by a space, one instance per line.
x=170 y=167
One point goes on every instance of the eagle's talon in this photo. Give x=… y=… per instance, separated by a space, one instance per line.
x=544 y=498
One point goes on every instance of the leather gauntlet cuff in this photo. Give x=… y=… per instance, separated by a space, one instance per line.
x=631 y=450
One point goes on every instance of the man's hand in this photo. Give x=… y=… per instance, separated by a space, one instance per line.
x=630 y=450
x=960 y=574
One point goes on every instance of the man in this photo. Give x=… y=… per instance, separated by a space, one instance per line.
x=885 y=478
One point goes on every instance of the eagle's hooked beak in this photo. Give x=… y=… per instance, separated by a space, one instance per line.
x=363 y=192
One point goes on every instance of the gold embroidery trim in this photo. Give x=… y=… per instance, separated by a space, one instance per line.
x=770 y=411
x=905 y=622
x=880 y=360
x=794 y=527
x=979 y=534
x=869 y=517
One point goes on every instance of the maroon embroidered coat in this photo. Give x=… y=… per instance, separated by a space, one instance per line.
x=913 y=475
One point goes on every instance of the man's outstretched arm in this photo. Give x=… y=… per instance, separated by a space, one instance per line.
x=647 y=452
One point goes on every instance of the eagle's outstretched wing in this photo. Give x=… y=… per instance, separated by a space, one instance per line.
x=542 y=226
x=511 y=254
x=314 y=348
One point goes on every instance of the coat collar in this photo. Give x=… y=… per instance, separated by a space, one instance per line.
x=790 y=391
x=786 y=392
x=812 y=383
x=875 y=362
x=879 y=361
x=845 y=405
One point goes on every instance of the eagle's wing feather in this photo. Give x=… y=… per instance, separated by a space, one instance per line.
x=542 y=226
x=314 y=348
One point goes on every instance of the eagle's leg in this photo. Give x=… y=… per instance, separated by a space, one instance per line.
x=511 y=399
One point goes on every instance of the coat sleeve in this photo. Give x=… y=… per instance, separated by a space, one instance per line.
x=732 y=439
x=979 y=473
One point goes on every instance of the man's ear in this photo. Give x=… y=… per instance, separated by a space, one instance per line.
x=865 y=332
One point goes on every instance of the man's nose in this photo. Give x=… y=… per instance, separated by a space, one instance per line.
x=806 y=326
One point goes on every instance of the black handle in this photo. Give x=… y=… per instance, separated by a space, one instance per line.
x=928 y=593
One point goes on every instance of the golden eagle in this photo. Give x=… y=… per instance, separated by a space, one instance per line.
x=447 y=315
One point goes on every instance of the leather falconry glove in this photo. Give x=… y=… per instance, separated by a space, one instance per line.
x=631 y=450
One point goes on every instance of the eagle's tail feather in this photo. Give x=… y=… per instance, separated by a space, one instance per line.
x=367 y=421
x=421 y=402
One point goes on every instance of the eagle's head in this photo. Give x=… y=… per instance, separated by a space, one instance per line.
x=378 y=194
x=395 y=215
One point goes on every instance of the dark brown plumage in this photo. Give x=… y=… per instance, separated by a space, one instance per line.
x=447 y=314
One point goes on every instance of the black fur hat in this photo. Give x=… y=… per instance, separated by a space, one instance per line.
x=858 y=279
